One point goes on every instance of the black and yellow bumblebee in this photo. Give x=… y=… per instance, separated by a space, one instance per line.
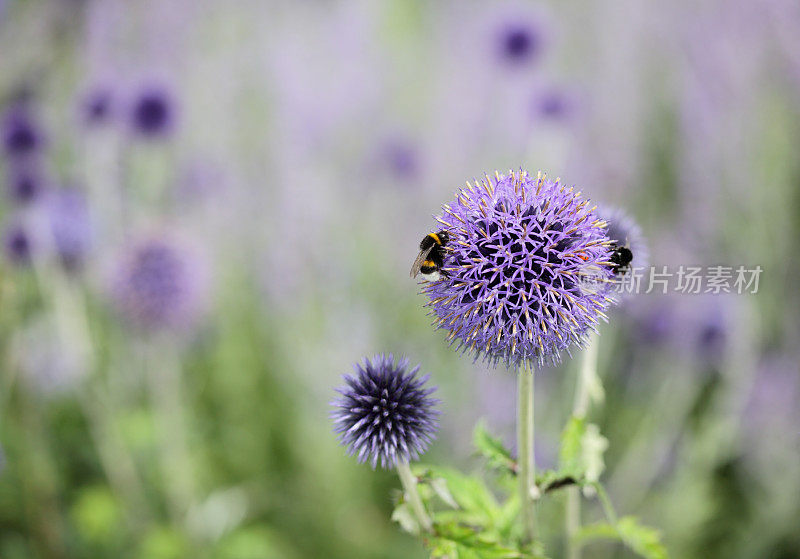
x=621 y=258
x=431 y=254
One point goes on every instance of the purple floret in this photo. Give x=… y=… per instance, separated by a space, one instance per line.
x=524 y=271
x=385 y=414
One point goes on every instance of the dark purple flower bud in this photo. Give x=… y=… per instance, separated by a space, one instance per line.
x=18 y=244
x=21 y=135
x=159 y=284
x=153 y=113
x=385 y=414
x=68 y=217
x=522 y=269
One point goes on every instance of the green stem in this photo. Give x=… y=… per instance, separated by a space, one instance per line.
x=588 y=372
x=527 y=467
x=409 y=482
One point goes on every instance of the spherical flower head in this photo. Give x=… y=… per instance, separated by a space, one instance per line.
x=159 y=284
x=70 y=227
x=20 y=133
x=524 y=272
x=153 y=113
x=385 y=415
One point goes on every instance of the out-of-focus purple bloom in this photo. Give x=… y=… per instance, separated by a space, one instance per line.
x=25 y=182
x=153 y=113
x=556 y=104
x=626 y=234
x=18 y=244
x=159 y=284
x=519 y=39
x=97 y=107
x=21 y=134
x=522 y=268
x=519 y=42
x=712 y=329
x=385 y=414
x=68 y=219
x=402 y=159
x=654 y=324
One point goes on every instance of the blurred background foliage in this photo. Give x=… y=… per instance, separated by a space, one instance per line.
x=210 y=210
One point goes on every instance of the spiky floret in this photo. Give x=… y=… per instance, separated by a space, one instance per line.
x=385 y=414
x=524 y=264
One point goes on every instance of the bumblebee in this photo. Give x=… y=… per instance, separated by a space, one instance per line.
x=431 y=254
x=621 y=258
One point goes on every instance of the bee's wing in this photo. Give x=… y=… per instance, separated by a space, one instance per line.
x=421 y=257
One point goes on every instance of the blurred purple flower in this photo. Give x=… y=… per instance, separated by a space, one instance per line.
x=97 y=107
x=625 y=232
x=159 y=284
x=519 y=42
x=18 y=244
x=68 y=219
x=20 y=132
x=522 y=254
x=399 y=157
x=153 y=113
x=25 y=182
x=385 y=414
x=555 y=103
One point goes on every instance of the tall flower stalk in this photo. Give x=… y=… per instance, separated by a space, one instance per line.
x=525 y=448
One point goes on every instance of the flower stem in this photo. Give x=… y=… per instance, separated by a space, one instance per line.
x=587 y=373
x=409 y=482
x=527 y=467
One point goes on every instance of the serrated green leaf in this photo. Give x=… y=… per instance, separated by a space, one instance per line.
x=404 y=516
x=643 y=540
x=470 y=493
x=492 y=448
x=571 y=454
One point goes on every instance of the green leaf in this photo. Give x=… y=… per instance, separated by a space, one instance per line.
x=470 y=493
x=492 y=448
x=439 y=486
x=571 y=453
x=643 y=540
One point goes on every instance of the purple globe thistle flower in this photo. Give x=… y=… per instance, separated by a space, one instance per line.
x=153 y=111
x=20 y=132
x=522 y=269
x=385 y=414
x=18 y=244
x=69 y=224
x=159 y=284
